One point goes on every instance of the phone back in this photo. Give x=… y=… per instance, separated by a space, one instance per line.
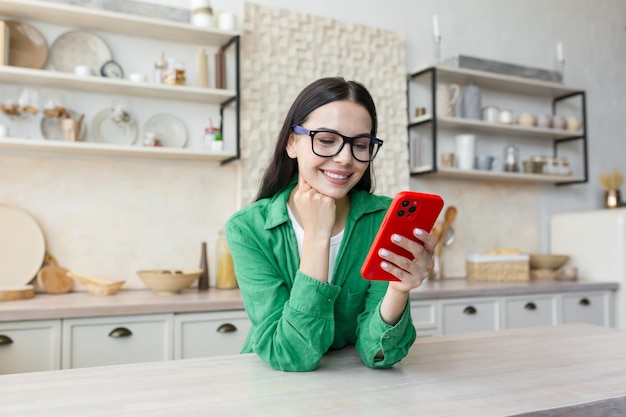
x=408 y=210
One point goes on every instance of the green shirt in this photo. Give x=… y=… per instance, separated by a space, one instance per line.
x=295 y=318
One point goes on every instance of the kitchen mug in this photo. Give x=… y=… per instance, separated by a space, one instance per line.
x=447 y=159
x=226 y=21
x=447 y=95
x=544 y=120
x=558 y=122
x=490 y=114
x=83 y=70
x=465 y=151
x=572 y=124
x=505 y=117
x=484 y=162
x=526 y=119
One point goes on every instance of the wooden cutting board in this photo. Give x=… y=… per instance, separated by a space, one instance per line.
x=16 y=293
x=53 y=278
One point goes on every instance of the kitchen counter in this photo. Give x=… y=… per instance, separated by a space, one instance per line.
x=82 y=304
x=568 y=370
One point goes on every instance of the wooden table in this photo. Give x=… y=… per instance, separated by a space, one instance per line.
x=569 y=370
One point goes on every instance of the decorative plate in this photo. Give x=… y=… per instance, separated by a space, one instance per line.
x=22 y=247
x=27 y=46
x=106 y=130
x=51 y=126
x=169 y=129
x=77 y=47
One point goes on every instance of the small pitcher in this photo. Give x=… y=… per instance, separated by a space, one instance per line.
x=447 y=96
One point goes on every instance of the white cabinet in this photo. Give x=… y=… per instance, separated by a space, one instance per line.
x=30 y=346
x=469 y=315
x=425 y=318
x=116 y=340
x=592 y=308
x=198 y=335
x=530 y=311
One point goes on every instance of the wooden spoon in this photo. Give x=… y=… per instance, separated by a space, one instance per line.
x=52 y=278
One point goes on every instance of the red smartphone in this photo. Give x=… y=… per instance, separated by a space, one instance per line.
x=408 y=210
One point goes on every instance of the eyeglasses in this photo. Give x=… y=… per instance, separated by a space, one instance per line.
x=327 y=143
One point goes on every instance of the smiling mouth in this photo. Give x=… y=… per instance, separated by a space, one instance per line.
x=335 y=176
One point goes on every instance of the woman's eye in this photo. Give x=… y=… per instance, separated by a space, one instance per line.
x=361 y=144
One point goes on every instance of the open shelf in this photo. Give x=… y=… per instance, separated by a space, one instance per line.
x=500 y=82
x=90 y=148
x=103 y=85
x=485 y=127
x=475 y=174
x=125 y=24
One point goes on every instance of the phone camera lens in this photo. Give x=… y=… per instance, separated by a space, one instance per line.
x=400 y=213
x=405 y=203
x=412 y=209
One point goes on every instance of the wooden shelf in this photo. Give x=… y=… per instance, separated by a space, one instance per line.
x=103 y=85
x=474 y=174
x=500 y=82
x=485 y=127
x=114 y=22
x=89 y=148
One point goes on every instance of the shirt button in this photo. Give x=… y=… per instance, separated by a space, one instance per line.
x=330 y=300
x=386 y=336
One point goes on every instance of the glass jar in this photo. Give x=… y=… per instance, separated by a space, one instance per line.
x=225 y=269
x=511 y=158
x=212 y=140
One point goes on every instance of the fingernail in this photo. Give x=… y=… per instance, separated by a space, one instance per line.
x=383 y=252
x=418 y=232
x=384 y=265
x=396 y=238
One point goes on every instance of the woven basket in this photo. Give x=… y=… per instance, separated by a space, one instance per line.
x=498 y=268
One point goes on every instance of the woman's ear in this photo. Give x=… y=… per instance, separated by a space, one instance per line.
x=291 y=147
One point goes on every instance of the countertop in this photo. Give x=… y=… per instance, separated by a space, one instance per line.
x=568 y=370
x=82 y=304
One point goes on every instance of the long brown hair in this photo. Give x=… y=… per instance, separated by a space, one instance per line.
x=281 y=168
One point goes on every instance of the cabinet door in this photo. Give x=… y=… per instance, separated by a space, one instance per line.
x=425 y=318
x=592 y=308
x=198 y=335
x=30 y=346
x=469 y=315
x=530 y=311
x=116 y=340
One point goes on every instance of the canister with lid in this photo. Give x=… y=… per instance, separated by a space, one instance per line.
x=202 y=13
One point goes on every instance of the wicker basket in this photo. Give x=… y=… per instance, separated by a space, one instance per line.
x=497 y=268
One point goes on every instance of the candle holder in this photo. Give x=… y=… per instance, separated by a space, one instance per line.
x=560 y=63
x=437 y=42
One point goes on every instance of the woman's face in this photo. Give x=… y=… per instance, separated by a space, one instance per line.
x=334 y=176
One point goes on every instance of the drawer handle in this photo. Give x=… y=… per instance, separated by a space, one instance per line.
x=5 y=340
x=584 y=302
x=120 y=332
x=530 y=306
x=469 y=310
x=227 y=328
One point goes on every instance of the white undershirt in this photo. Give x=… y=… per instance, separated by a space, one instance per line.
x=335 y=242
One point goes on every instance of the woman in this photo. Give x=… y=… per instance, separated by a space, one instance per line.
x=299 y=247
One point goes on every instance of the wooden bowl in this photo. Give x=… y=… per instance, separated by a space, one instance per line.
x=547 y=261
x=169 y=281
x=97 y=285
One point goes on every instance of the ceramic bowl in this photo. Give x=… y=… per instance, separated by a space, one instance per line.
x=169 y=281
x=547 y=261
x=97 y=285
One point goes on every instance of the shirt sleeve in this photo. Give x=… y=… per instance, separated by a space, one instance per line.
x=291 y=330
x=374 y=335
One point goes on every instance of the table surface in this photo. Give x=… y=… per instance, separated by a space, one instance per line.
x=82 y=304
x=568 y=370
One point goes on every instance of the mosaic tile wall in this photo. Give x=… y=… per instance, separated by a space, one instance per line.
x=280 y=60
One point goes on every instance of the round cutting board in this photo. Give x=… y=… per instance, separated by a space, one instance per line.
x=22 y=247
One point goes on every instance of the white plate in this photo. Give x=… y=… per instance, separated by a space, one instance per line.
x=77 y=47
x=169 y=129
x=51 y=126
x=22 y=247
x=105 y=130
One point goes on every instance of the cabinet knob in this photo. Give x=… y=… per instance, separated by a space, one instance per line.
x=530 y=306
x=469 y=310
x=584 y=302
x=120 y=332
x=227 y=328
x=5 y=340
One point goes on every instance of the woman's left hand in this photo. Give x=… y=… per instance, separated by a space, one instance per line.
x=411 y=273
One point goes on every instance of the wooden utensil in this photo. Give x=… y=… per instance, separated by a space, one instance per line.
x=52 y=278
x=448 y=219
x=13 y=293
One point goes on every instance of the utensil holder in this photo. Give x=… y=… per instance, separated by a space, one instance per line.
x=612 y=199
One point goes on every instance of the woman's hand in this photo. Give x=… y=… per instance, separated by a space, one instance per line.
x=315 y=211
x=411 y=273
